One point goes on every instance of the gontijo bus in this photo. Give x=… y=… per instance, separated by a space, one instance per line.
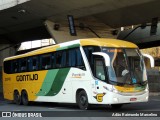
x=84 y=71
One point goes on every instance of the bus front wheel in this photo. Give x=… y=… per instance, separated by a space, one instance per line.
x=17 y=98
x=82 y=100
x=24 y=97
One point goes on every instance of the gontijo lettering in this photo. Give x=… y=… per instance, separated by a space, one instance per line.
x=27 y=77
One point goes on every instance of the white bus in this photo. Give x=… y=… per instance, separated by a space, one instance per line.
x=84 y=71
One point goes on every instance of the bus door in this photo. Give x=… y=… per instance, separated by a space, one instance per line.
x=101 y=61
x=99 y=71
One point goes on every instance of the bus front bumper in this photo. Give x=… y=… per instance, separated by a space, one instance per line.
x=117 y=98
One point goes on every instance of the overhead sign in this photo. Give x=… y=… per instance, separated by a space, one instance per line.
x=154 y=26
x=71 y=25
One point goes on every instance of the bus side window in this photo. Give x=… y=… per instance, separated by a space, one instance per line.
x=72 y=58
x=53 y=60
x=29 y=64
x=7 y=67
x=23 y=65
x=15 y=66
x=35 y=63
x=46 y=61
x=88 y=51
x=67 y=59
x=99 y=69
x=79 y=60
x=63 y=59
x=58 y=59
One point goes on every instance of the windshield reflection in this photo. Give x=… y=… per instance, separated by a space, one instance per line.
x=126 y=66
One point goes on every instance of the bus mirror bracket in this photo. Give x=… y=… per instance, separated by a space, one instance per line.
x=150 y=58
x=105 y=56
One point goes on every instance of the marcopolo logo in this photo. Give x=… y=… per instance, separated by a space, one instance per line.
x=27 y=77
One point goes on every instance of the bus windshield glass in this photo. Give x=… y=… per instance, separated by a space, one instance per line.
x=126 y=66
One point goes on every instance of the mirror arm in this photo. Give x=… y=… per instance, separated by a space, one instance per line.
x=152 y=64
x=105 y=56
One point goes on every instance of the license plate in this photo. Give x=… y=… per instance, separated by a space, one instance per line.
x=133 y=99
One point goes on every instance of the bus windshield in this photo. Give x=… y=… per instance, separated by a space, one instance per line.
x=126 y=66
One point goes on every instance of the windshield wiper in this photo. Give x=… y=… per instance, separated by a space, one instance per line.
x=142 y=83
x=116 y=83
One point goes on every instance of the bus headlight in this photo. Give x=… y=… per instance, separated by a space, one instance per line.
x=114 y=90
x=111 y=89
x=115 y=99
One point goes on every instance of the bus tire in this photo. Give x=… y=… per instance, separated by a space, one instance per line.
x=82 y=100
x=116 y=106
x=24 y=97
x=17 y=98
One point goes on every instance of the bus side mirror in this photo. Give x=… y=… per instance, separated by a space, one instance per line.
x=149 y=60
x=105 y=56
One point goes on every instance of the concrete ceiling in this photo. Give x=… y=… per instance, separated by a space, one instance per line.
x=18 y=22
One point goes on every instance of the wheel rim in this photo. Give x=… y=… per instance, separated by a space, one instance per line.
x=83 y=100
x=17 y=98
x=24 y=98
